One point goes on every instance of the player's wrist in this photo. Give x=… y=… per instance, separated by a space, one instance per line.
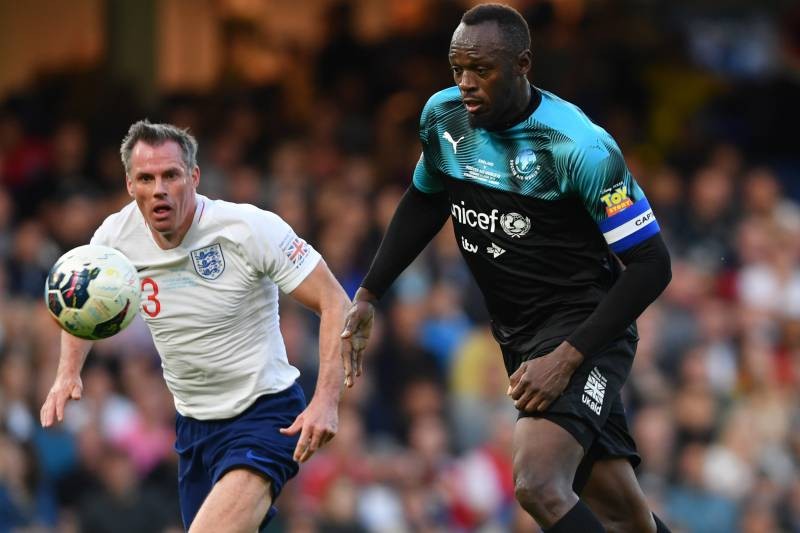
x=570 y=355
x=67 y=373
x=329 y=393
x=365 y=295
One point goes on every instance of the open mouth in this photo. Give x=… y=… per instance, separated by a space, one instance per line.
x=161 y=211
x=473 y=106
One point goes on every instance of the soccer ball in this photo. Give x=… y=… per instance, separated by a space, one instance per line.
x=93 y=292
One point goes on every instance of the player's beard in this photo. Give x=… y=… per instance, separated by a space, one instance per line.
x=478 y=121
x=495 y=117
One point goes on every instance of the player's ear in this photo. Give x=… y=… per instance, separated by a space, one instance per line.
x=129 y=185
x=524 y=62
x=196 y=176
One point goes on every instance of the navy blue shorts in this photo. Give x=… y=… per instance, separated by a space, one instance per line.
x=209 y=448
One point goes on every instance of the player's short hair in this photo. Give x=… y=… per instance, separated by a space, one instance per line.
x=512 y=24
x=156 y=135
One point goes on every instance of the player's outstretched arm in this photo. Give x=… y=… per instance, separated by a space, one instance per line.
x=418 y=218
x=68 y=384
x=318 y=423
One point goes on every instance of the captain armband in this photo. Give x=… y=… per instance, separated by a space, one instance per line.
x=629 y=227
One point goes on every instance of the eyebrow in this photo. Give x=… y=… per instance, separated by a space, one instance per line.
x=471 y=59
x=169 y=170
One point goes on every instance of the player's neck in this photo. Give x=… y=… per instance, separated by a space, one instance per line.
x=525 y=103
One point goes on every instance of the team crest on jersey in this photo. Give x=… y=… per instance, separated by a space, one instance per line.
x=524 y=166
x=209 y=261
x=515 y=225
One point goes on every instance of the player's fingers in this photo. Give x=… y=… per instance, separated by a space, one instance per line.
x=531 y=406
x=314 y=442
x=76 y=392
x=347 y=332
x=46 y=414
x=60 y=401
x=524 y=397
x=359 y=361
x=352 y=322
x=294 y=428
x=514 y=378
x=356 y=358
x=539 y=404
x=302 y=445
x=347 y=362
x=520 y=388
x=326 y=437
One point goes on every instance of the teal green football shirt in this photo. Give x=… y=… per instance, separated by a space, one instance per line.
x=537 y=210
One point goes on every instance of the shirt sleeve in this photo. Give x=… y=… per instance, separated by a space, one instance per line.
x=418 y=218
x=425 y=179
x=101 y=235
x=600 y=177
x=278 y=252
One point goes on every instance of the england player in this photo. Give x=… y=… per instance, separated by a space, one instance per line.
x=210 y=273
x=546 y=213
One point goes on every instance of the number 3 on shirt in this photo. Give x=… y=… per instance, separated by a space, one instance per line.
x=152 y=309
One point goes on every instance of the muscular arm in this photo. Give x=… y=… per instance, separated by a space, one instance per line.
x=538 y=382
x=418 y=218
x=647 y=273
x=67 y=384
x=321 y=293
x=318 y=423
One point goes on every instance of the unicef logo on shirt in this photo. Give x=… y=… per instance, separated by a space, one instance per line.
x=515 y=225
x=524 y=166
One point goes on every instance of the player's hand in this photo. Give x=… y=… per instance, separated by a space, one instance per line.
x=539 y=382
x=355 y=336
x=63 y=389
x=317 y=424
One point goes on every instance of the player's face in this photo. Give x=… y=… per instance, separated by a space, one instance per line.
x=489 y=76
x=164 y=190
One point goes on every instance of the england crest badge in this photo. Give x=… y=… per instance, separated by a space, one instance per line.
x=209 y=261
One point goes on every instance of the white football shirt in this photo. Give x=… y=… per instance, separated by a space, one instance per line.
x=212 y=303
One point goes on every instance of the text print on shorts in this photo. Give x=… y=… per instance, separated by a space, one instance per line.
x=594 y=391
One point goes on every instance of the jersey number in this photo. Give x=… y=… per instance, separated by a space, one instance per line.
x=151 y=309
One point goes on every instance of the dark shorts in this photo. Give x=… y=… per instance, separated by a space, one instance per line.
x=209 y=448
x=591 y=409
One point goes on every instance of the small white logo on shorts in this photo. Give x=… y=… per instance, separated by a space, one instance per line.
x=594 y=391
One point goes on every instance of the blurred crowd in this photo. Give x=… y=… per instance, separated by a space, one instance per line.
x=702 y=102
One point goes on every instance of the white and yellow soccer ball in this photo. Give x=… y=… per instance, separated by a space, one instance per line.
x=93 y=292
